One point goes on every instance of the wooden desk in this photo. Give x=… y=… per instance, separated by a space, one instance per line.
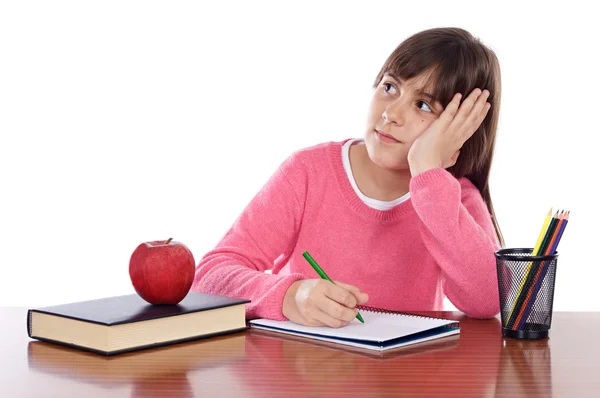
x=478 y=362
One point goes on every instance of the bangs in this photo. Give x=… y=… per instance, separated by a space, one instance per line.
x=446 y=68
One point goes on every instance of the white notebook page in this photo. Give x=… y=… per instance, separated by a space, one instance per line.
x=378 y=327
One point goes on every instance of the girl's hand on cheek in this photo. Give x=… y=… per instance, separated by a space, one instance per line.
x=439 y=145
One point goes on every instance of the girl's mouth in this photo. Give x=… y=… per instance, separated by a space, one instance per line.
x=387 y=138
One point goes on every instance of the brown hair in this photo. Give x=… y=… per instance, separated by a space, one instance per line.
x=457 y=62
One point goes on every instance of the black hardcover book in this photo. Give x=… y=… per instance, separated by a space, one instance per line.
x=126 y=323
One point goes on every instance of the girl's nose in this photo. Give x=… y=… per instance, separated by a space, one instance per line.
x=395 y=113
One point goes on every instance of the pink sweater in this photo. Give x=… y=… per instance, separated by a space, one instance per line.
x=440 y=242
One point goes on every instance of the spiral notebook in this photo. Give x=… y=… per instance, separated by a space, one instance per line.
x=382 y=330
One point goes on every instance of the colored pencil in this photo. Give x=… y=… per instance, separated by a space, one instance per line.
x=530 y=273
x=530 y=294
x=533 y=253
x=530 y=299
x=542 y=233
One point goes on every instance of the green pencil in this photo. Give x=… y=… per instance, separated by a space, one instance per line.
x=323 y=275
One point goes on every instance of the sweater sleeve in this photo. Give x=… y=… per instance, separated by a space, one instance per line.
x=264 y=232
x=457 y=230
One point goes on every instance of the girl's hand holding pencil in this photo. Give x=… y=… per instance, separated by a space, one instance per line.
x=318 y=302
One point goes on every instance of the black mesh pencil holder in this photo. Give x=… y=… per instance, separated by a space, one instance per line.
x=526 y=289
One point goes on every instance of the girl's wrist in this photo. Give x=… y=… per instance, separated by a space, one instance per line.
x=421 y=167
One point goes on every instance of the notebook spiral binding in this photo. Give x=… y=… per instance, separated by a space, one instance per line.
x=378 y=310
x=387 y=311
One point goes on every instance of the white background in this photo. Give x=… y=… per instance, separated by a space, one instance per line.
x=128 y=121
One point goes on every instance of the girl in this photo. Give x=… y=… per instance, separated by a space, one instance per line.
x=401 y=217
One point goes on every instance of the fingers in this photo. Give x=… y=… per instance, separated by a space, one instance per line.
x=341 y=295
x=361 y=297
x=318 y=317
x=318 y=302
x=465 y=109
x=470 y=115
x=338 y=312
x=450 y=112
x=338 y=303
x=484 y=112
x=474 y=118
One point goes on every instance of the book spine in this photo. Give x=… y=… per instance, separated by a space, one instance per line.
x=29 y=325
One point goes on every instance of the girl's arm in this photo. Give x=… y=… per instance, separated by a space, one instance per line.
x=458 y=232
x=266 y=231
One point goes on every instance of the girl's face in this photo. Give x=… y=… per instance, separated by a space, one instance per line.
x=400 y=111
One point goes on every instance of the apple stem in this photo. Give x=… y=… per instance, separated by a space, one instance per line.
x=167 y=241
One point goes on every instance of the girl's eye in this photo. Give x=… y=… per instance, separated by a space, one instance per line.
x=387 y=87
x=427 y=109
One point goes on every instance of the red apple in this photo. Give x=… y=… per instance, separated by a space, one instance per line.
x=162 y=272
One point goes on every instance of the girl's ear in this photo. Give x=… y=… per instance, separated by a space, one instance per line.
x=453 y=159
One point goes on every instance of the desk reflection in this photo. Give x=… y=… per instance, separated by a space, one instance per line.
x=256 y=363
x=525 y=368
x=464 y=364
x=159 y=371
